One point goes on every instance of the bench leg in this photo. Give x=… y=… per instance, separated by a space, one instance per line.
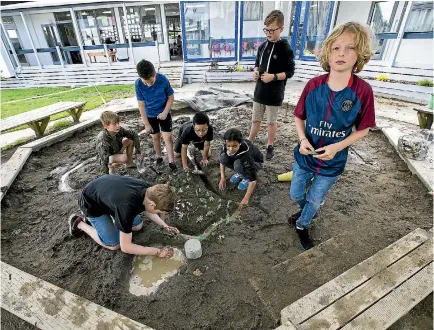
x=425 y=120
x=76 y=114
x=39 y=126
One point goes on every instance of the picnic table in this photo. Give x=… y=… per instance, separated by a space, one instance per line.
x=425 y=117
x=38 y=119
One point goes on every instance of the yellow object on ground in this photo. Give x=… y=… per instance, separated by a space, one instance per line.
x=285 y=176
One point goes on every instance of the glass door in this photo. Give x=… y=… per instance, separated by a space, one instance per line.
x=174 y=30
x=317 y=18
x=53 y=40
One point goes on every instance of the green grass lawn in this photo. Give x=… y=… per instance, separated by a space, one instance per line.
x=88 y=94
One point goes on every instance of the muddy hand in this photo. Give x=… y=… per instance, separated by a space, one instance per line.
x=165 y=253
x=222 y=184
x=172 y=230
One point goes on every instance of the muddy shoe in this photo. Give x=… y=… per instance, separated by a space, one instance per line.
x=172 y=167
x=293 y=218
x=73 y=222
x=270 y=152
x=159 y=160
x=236 y=177
x=304 y=237
x=244 y=184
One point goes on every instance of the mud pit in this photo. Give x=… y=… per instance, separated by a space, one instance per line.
x=375 y=202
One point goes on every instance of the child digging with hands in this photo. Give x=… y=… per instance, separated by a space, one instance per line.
x=329 y=107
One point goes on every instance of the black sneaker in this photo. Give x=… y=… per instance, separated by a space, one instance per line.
x=159 y=160
x=293 y=218
x=73 y=222
x=172 y=167
x=270 y=152
x=304 y=237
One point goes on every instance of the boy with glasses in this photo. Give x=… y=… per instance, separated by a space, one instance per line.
x=274 y=65
x=199 y=133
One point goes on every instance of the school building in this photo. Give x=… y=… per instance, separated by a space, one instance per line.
x=76 y=43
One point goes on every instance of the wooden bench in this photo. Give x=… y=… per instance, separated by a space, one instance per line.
x=38 y=119
x=425 y=117
x=373 y=294
x=112 y=55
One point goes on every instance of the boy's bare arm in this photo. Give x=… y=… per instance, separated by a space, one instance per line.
x=143 y=115
x=184 y=156
x=206 y=147
x=127 y=246
x=249 y=192
x=222 y=182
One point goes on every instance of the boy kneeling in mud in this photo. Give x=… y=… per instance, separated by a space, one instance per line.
x=111 y=205
x=111 y=142
x=198 y=132
x=244 y=158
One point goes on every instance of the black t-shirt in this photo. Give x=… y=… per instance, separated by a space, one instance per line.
x=187 y=134
x=282 y=60
x=120 y=197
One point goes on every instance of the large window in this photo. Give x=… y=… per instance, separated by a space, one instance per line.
x=381 y=22
x=253 y=10
x=421 y=17
x=14 y=37
x=144 y=23
x=66 y=34
x=253 y=14
x=98 y=26
x=319 y=13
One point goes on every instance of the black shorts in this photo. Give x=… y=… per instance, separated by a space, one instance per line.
x=163 y=125
x=178 y=145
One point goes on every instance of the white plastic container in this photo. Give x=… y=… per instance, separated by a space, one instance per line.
x=193 y=249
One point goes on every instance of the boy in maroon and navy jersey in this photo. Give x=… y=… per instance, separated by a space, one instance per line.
x=329 y=107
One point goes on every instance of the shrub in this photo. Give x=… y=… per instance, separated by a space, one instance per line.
x=382 y=77
x=425 y=82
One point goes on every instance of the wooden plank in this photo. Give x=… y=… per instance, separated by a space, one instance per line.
x=37 y=114
x=59 y=136
x=320 y=298
x=396 y=304
x=349 y=306
x=12 y=167
x=49 y=307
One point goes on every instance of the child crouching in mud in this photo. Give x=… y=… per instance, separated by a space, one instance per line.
x=111 y=206
x=327 y=110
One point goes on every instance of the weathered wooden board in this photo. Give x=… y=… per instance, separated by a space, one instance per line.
x=12 y=167
x=49 y=307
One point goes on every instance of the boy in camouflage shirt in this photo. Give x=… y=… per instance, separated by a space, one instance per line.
x=111 y=142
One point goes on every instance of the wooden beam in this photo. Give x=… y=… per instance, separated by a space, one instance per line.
x=12 y=167
x=357 y=301
x=320 y=298
x=49 y=307
x=399 y=302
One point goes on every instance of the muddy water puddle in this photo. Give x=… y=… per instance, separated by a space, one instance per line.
x=149 y=272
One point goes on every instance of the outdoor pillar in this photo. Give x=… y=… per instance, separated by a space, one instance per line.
x=11 y=46
x=334 y=13
x=165 y=32
x=240 y=42
x=128 y=31
x=78 y=34
x=107 y=54
x=31 y=39
x=397 y=43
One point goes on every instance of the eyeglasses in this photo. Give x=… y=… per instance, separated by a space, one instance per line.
x=270 y=31
x=204 y=130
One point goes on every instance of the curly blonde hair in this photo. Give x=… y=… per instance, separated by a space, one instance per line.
x=363 y=43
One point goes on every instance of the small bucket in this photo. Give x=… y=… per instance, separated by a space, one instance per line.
x=193 y=249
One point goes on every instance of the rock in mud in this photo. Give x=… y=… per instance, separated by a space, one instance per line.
x=414 y=146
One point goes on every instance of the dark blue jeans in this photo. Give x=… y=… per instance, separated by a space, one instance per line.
x=308 y=200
